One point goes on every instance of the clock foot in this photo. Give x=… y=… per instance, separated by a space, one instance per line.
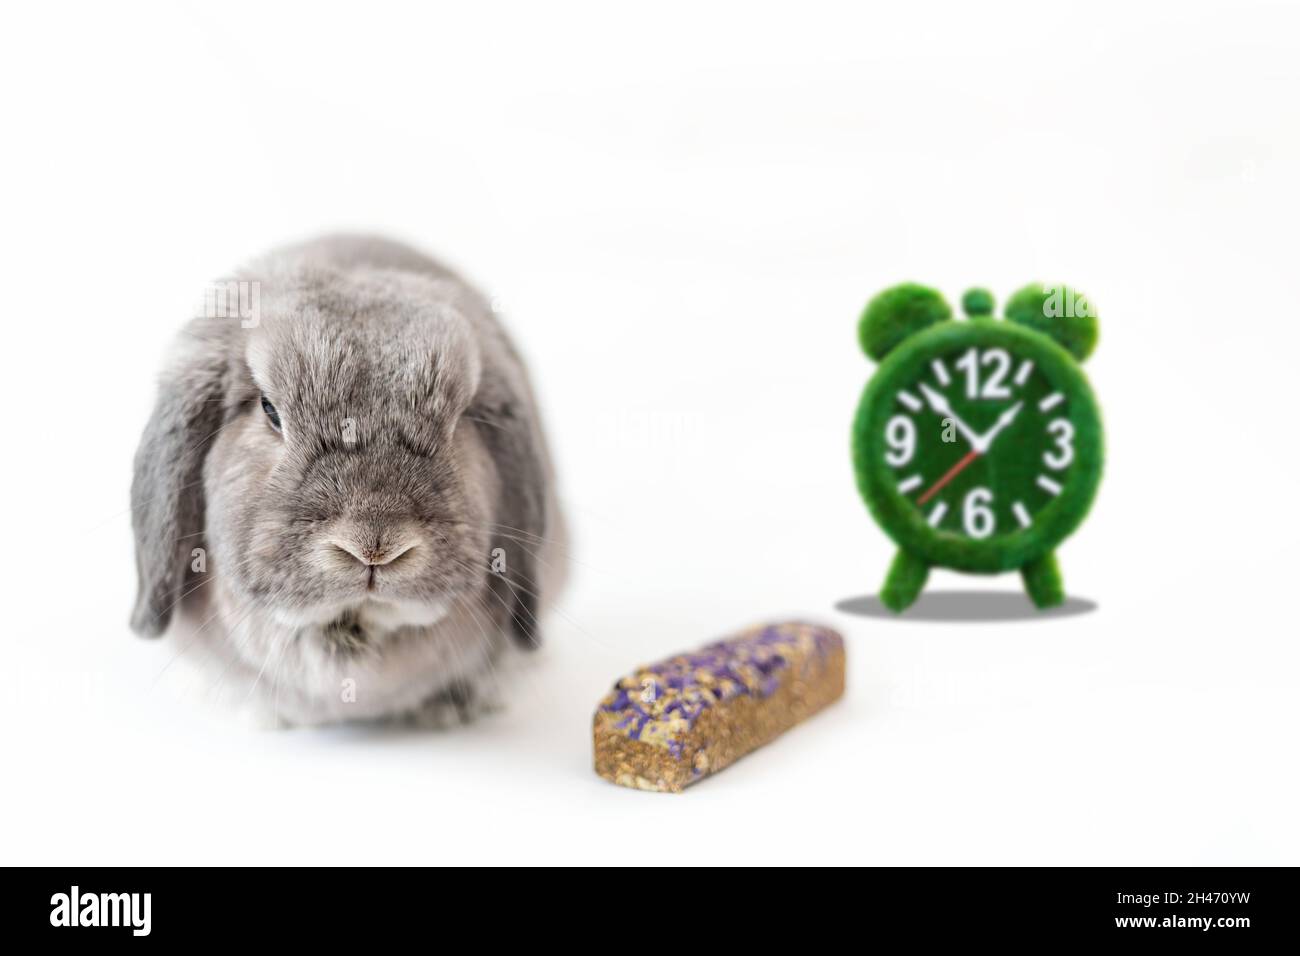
x=1042 y=578
x=904 y=581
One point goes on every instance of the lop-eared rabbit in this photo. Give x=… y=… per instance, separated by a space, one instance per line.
x=343 y=499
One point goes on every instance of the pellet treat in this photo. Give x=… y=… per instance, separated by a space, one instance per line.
x=669 y=724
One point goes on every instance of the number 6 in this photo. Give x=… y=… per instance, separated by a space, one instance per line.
x=976 y=515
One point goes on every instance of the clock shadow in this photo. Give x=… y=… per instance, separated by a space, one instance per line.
x=966 y=606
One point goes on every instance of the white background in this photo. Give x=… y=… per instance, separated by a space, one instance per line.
x=682 y=211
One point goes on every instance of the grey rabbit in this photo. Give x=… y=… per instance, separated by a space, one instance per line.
x=346 y=499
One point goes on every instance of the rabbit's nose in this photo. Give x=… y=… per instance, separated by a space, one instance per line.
x=375 y=553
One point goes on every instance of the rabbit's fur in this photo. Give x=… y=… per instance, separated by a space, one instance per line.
x=409 y=435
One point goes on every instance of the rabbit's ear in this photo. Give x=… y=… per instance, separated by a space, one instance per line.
x=520 y=530
x=167 y=490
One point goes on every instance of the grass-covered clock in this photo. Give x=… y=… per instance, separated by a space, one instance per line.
x=977 y=444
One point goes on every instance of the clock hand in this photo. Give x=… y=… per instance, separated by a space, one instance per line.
x=1005 y=419
x=980 y=443
x=939 y=403
x=948 y=476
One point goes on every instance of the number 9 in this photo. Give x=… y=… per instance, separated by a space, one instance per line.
x=900 y=435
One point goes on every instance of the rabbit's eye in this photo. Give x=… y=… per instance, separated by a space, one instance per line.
x=271 y=413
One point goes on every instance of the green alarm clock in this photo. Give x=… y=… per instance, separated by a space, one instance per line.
x=977 y=444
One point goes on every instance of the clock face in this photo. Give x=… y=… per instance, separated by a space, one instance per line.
x=974 y=443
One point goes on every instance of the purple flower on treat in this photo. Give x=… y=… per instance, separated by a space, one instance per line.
x=684 y=687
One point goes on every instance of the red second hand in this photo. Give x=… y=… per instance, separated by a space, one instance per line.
x=948 y=476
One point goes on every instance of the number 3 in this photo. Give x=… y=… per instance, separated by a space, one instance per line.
x=1063 y=431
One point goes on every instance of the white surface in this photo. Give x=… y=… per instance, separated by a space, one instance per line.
x=682 y=212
